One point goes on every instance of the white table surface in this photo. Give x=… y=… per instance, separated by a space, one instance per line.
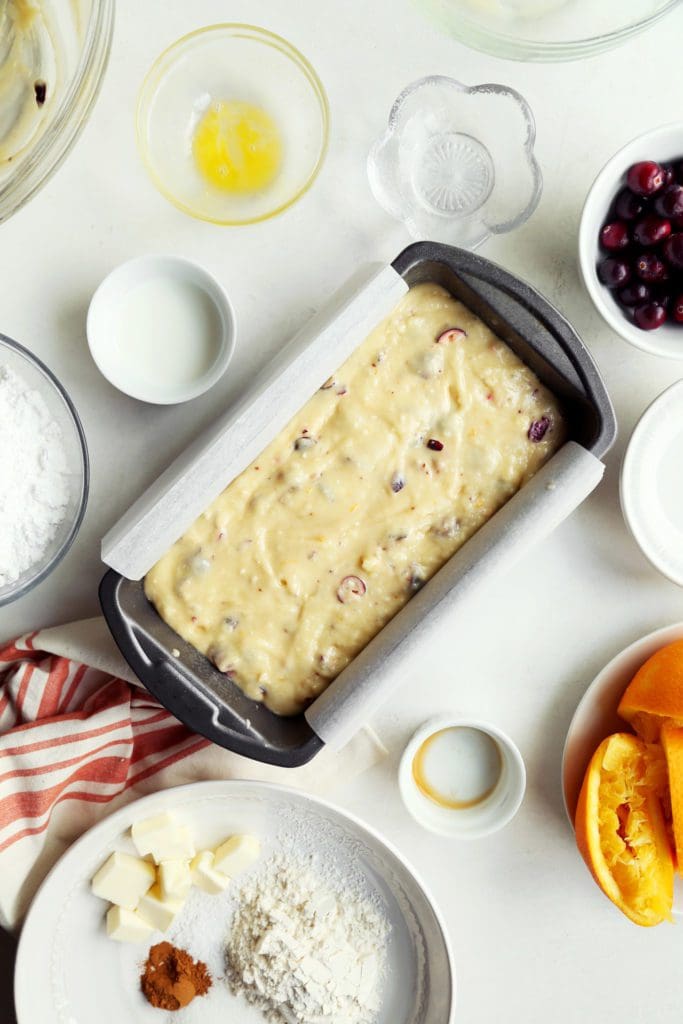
x=534 y=939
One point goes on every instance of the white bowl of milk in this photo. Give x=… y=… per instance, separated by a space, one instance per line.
x=161 y=329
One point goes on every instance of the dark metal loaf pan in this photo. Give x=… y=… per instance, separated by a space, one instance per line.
x=187 y=683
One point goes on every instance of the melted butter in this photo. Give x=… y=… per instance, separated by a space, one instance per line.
x=24 y=11
x=237 y=147
x=384 y=473
x=457 y=767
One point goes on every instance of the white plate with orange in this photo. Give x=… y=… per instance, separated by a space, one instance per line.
x=596 y=717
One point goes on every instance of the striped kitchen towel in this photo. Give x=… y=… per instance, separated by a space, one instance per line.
x=79 y=737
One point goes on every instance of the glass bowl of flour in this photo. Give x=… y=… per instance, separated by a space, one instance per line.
x=43 y=469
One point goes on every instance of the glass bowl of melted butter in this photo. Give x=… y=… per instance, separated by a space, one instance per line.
x=462 y=777
x=232 y=124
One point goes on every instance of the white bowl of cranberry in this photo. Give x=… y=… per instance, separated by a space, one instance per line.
x=631 y=242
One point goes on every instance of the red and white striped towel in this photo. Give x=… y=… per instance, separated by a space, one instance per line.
x=79 y=737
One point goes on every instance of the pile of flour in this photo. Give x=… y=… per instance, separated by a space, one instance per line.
x=303 y=953
x=34 y=484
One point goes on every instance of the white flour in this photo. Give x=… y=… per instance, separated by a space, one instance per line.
x=304 y=954
x=34 y=486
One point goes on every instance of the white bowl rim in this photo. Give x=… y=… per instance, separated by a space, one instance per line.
x=407 y=786
x=589 y=226
x=626 y=483
x=221 y=298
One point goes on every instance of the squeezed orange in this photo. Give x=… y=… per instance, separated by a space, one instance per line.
x=621 y=831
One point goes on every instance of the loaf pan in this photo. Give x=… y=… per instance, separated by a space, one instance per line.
x=185 y=682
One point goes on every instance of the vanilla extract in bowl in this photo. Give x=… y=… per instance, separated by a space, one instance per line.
x=458 y=767
x=462 y=777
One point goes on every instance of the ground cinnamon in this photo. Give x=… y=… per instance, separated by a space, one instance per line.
x=171 y=978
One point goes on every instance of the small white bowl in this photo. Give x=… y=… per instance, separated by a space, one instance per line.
x=161 y=329
x=664 y=143
x=494 y=809
x=650 y=485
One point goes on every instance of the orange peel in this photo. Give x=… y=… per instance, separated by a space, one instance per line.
x=621 y=831
x=672 y=743
x=655 y=694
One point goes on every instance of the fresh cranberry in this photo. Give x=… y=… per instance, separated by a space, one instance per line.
x=677 y=167
x=677 y=309
x=669 y=203
x=651 y=230
x=634 y=294
x=416 y=581
x=451 y=334
x=661 y=294
x=673 y=250
x=614 y=273
x=350 y=588
x=650 y=316
x=614 y=236
x=650 y=268
x=628 y=205
x=538 y=429
x=645 y=178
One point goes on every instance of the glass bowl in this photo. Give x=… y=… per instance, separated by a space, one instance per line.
x=245 y=66
x=61 y=409
x=61 y=51
x=545 y=30
x=456 y=164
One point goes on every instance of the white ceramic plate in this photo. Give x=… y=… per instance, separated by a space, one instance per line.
x=86 y=977
x=596 y=717
x=651 y=487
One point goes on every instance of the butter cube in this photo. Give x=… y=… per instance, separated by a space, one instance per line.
x=123 y=880
x=156 y=911
x=236 y=854
x=163 y=837
x=126 y=925
x=204 y=874
x=175 y=879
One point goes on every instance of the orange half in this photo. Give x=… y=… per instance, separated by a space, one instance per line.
x=672 y=742
x=620 y=828
x=655 y=694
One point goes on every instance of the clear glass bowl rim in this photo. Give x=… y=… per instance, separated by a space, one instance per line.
x=259 y=35
x=33 y=581
x=471 y=90
x=501 y=44
x=60 y=136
